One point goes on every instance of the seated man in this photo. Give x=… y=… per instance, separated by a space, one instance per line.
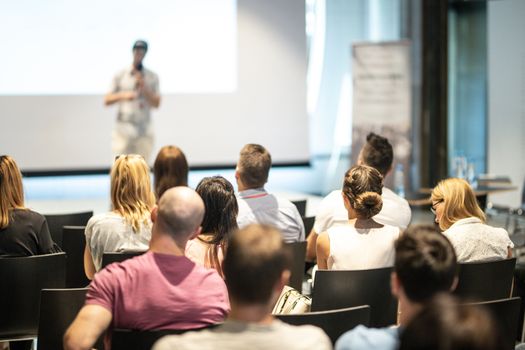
x=161 y=289
x=377 y=153
x=256 y=206
x=425 y=265
x=256 y=270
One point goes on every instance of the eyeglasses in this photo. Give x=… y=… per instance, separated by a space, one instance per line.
x=432 y=207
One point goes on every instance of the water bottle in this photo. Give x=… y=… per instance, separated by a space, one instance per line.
x=399 y=180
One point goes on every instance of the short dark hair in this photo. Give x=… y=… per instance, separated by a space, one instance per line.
x=254 y=165
x=446 y=325
x=170 y=169
x=254 y=263
x=425 y=262
x=377 y=153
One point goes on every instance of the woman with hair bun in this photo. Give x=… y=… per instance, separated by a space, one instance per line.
x=361 y=243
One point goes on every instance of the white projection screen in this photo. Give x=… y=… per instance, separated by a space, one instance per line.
x=231 y=72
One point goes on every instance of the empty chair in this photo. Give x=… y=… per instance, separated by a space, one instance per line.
x=333 y=322
x=308 y=222
x=109 y=258
x=298 y=257
x=506 y=314
x=56 y=222
x=483 y=281
x=74 y=242
x=58 y=309
x=336 y=289
x=301 y=206
x=22 y=279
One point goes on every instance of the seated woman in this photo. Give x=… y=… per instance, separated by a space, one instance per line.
x=128 y=225
x=463 y=222
x=220 y=220
x=169 y=170
x=23 y=232
x=361 y=243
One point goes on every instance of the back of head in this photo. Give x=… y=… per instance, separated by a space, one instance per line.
x=445 y=325
x=179 y=214
x=11 y=190
x=459 y=201
x=377 y=153
x=131 y=193
x=363 y=186
x=221 y=211
x=254 y=263
x=170 y=169
x=254 y=165
x=425 y=262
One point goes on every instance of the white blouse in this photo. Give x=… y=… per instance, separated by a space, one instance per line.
x=475 y=241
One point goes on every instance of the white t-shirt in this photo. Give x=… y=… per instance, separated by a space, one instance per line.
x=361 y=249
x=261 y=207
x=109 y=232
x=237 y=335
x=332 y=211
x=475 y=241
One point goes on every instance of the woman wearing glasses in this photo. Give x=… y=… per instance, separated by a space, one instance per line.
x=128 y=226
x=362 y=243
x=23 y=232
x=463 y=222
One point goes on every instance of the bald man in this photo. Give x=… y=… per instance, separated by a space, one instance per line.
x=161 y=289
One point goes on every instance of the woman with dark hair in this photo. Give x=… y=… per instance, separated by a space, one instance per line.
x=361 y=243
x=220 y=220
x=23 y=232
x=169 y=170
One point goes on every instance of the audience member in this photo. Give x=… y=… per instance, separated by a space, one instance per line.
x=446 y=325
x=362 y=243
x=256 y=269
x=377 y=153
x=23 y=232
x=161 y=289
x=425 y=265
x=169 y=170
x=463 y=222
x=128 y=225
x=220 y=221
x=258 y=206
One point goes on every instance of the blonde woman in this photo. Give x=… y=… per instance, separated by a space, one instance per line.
x=463 y=222
x=361 y=243
x=128 y=225
x=23 y=232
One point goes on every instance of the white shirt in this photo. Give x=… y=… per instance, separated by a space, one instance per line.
x=475 y=241
x=258 y=206
x=332 y=211
x=361 y=249
x=233 y=335
x=109 y=232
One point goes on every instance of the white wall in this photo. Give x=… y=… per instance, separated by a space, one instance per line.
x=506 y=95
x=269 y=106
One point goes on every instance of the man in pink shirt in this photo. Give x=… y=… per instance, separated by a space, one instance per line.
x=161 y=289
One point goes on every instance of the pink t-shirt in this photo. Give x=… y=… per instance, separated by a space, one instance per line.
x=160 y=291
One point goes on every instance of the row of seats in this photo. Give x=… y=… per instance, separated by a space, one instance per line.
x=20 y=298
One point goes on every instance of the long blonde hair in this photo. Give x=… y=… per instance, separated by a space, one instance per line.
x=131 y=193
x=11 y=190
x=459 y=202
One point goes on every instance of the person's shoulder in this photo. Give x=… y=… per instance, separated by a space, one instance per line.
x=107 y=218
x=301 y=337
x=363 y=337
x=388 y=194
x=28 y=214
x=187 y=341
